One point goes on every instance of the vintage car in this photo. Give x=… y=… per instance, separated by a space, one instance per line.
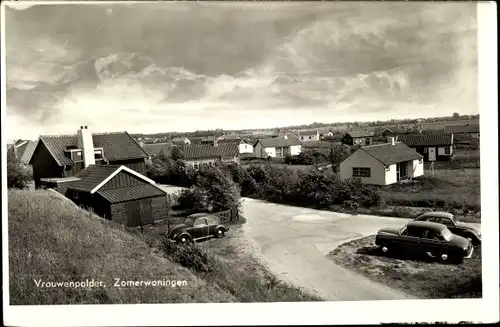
x=196 y=227
x=453 y=225
x=423 y=237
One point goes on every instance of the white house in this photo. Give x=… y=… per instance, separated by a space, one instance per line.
x=309 y=136
x=181 y=141
x=433 y=146
x=277 y=147
x=244 y=145
x=383 y=164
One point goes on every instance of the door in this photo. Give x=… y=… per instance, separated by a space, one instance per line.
x=133 y=213
x=146 y=212
x=432 y=154
x=200 y=228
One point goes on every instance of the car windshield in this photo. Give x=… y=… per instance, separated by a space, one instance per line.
x=446 y=234
x=189 y=221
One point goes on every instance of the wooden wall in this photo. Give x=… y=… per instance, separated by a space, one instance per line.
x=44 y=165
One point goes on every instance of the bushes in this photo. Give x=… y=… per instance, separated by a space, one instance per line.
x=17 y=175
x=189 y=256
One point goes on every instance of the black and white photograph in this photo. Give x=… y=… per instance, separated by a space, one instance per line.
x=260 y=162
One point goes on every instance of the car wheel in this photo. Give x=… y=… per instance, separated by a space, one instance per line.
x=219 y=232
x=183 y=239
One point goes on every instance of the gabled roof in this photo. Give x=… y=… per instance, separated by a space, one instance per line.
x=457 y=129
x=356 y=134
x=24 y=150
x=208 y=151
x=441 y=139
x=129 y=193
x=116 y=146
x=156 y=148
x=94 y=177
x=278 y=142
x=389 y=154
x=307 y=133
x=179 y=140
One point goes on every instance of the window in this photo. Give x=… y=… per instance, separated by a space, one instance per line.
x=415 y=232
x=200 y=222
x=310 y=137
x=447 y=151
x=387 y=168
x=196 y=165
x=361 y=172
x=279 y=152
x=98 y=154
x=76 y=156
x=212 y=221
x=76 y=195
x=430 y=234
x=420 y=160
x=445 y=221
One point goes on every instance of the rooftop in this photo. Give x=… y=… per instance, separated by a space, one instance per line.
x=427 y=139
x=390 y=154
x=355 y=134
x=208 y=151
x=279 y=142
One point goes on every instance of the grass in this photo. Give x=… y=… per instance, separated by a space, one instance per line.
x=446 y=188
x=422 y=278
x=51 y=239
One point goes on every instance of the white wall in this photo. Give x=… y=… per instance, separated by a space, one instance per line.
x=209 y=161
x=270 y=152
x=361 y=159
x=295 y=150
x=440 y=151
x=391 y=176
x=416 y=168
x=245 y=148
x=309 y=138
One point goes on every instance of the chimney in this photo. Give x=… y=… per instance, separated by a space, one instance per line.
x=86 y=144
x=215 y=140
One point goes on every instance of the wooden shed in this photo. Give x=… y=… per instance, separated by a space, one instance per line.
x=120 y=194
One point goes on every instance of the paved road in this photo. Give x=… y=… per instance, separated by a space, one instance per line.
x=294 y=242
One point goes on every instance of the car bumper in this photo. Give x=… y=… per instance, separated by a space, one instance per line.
x=469 y=253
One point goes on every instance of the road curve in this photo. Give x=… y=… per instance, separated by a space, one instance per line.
x=293 y=242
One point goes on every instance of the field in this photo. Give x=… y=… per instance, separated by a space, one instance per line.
x=52 y=240
x=423 y=278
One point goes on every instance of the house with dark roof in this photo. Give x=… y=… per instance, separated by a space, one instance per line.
x=383 y=164
x=309 y=136
x=244 y=145
x=277 y=147
x=118 y=193
x=23 y=150
x=180 y=141
x=469 y=129
x=62 y=157
x=199 y=154
x=157 y=148
x=433 y=146
x=362 y=138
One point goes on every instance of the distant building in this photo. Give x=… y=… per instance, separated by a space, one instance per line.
x=23 y=150
x=383 y=164
x=309 y=136
x=198 y=154
x=386 y=132
x=434 y=147
x=277 y=147
x=244 y=145
x=156 y=148
x=180 y=141
x=470 y=129
x=358 y=138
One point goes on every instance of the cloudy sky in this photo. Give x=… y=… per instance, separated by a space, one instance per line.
x=185 y=66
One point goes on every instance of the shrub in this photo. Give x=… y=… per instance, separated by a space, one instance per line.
x=190 y=256
x=191 y=199
x=317 y=188
x=17 y=175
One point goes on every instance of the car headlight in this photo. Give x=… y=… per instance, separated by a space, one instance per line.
x=479 y=233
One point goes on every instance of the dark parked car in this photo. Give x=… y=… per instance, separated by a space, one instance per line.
x=453 y=225
x=196 y=227
x=422 y=237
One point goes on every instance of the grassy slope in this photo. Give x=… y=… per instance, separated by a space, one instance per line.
x=52 y=239
x=421 y=278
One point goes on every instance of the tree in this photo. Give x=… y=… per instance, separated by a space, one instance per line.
x=177 y=153
x=456 y=115
x=17 y=175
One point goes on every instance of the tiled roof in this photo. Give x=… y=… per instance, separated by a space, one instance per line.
x=116 y=146
x=458 y=129
x=390 y=154
x=308 y=133
x=92 y=176
x=279 y=142
x=207 y=151
x=355 y=134
x=156 y=148
x=426 y=139
x=129 y=193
